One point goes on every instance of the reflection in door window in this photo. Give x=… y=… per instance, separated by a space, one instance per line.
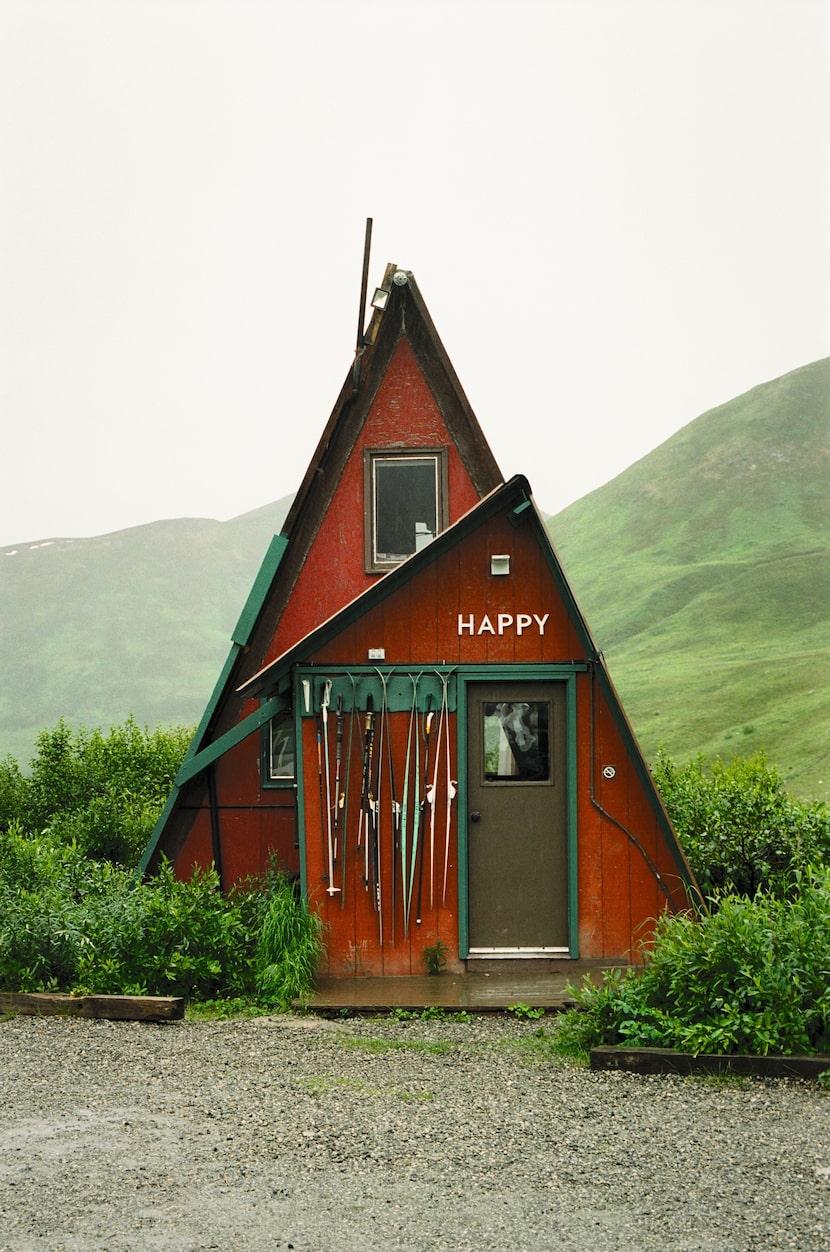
x=516 y=741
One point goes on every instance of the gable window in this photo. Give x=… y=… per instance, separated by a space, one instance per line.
x=406 y=503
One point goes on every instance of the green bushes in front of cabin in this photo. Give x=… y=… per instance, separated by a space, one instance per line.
x=100 y=792
x=740 y=829
x=750 y=974
x=74 y=917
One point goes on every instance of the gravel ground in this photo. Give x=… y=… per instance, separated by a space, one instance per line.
x=291 y=1132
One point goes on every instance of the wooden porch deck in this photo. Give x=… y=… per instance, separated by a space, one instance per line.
x=492 y=990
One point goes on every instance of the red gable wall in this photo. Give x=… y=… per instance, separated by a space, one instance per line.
x=418 y=624
x=620 y=841
x=404 y=414
x=254 y=820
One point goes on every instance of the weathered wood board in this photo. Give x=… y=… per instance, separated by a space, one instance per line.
x=666 y=1061
x=114 y=1008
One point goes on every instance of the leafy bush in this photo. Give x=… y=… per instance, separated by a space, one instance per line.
x=100 y=792
x=12 y=791
x=72 y=916
x=750 y=977
x=739 y=828
x=70 y=923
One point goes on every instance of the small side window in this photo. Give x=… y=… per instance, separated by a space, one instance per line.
x=405 y=503
x=279 y=750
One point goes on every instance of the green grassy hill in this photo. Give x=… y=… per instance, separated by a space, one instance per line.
x=704 y=572
x=137 y=621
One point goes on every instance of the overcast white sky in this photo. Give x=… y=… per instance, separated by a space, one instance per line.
x=616 y=210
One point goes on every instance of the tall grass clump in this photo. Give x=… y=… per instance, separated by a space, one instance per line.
x=289 y=946
x=752 y=976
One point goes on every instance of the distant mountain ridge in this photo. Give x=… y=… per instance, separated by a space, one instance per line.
x=137 y=621
x=703 y=571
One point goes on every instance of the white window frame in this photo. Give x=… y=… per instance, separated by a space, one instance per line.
x=381 y=562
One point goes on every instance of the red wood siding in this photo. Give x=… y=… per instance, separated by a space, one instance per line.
x=252 y=824
x=418 y=624
x=404 y=414
x=619 y=837
x=352 y=931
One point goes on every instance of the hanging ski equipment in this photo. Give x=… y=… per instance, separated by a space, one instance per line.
x=325 y=699
x=319 y=722
x=432 y=794
x=395 y=835
x=352 y=715
x=375 y=801
x=425 y=800
x=394 y=806
x=408 y=862
x=386 y=736
x=452 y=785
x=366 y=809
x=338 y=760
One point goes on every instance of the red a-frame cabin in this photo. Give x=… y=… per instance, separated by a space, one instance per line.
x=413 y=716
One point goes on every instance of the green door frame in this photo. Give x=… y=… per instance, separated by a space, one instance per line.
x=464 y=675
x=517 y=673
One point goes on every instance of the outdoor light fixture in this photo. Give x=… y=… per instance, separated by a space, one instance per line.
x=380 y=299
x=500 y=564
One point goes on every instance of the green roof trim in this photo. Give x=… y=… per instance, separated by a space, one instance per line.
x=262 y=585
x=195 y=764
x=213 y=702
x=153 y=842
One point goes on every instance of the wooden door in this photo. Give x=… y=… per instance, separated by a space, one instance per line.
x=517 y=809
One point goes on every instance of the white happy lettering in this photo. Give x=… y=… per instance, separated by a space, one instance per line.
x=469 y=624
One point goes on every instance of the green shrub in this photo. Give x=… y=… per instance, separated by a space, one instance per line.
x=71 y=923
x=169 y=937
x=100 y=792
x=739 y=828
x=12 y=792
x=72 y=916
x=751 y=976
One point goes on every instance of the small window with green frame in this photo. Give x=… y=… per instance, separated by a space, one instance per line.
x=278 y=751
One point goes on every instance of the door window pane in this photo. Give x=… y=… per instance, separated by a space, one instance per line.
x=516 y=741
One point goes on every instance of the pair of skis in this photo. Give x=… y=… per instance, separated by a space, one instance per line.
x=426 y=803
x=442 y=744
x=334 y=804
x=368 y=834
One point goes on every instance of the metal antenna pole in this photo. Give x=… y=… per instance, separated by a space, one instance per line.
x=364 y=286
